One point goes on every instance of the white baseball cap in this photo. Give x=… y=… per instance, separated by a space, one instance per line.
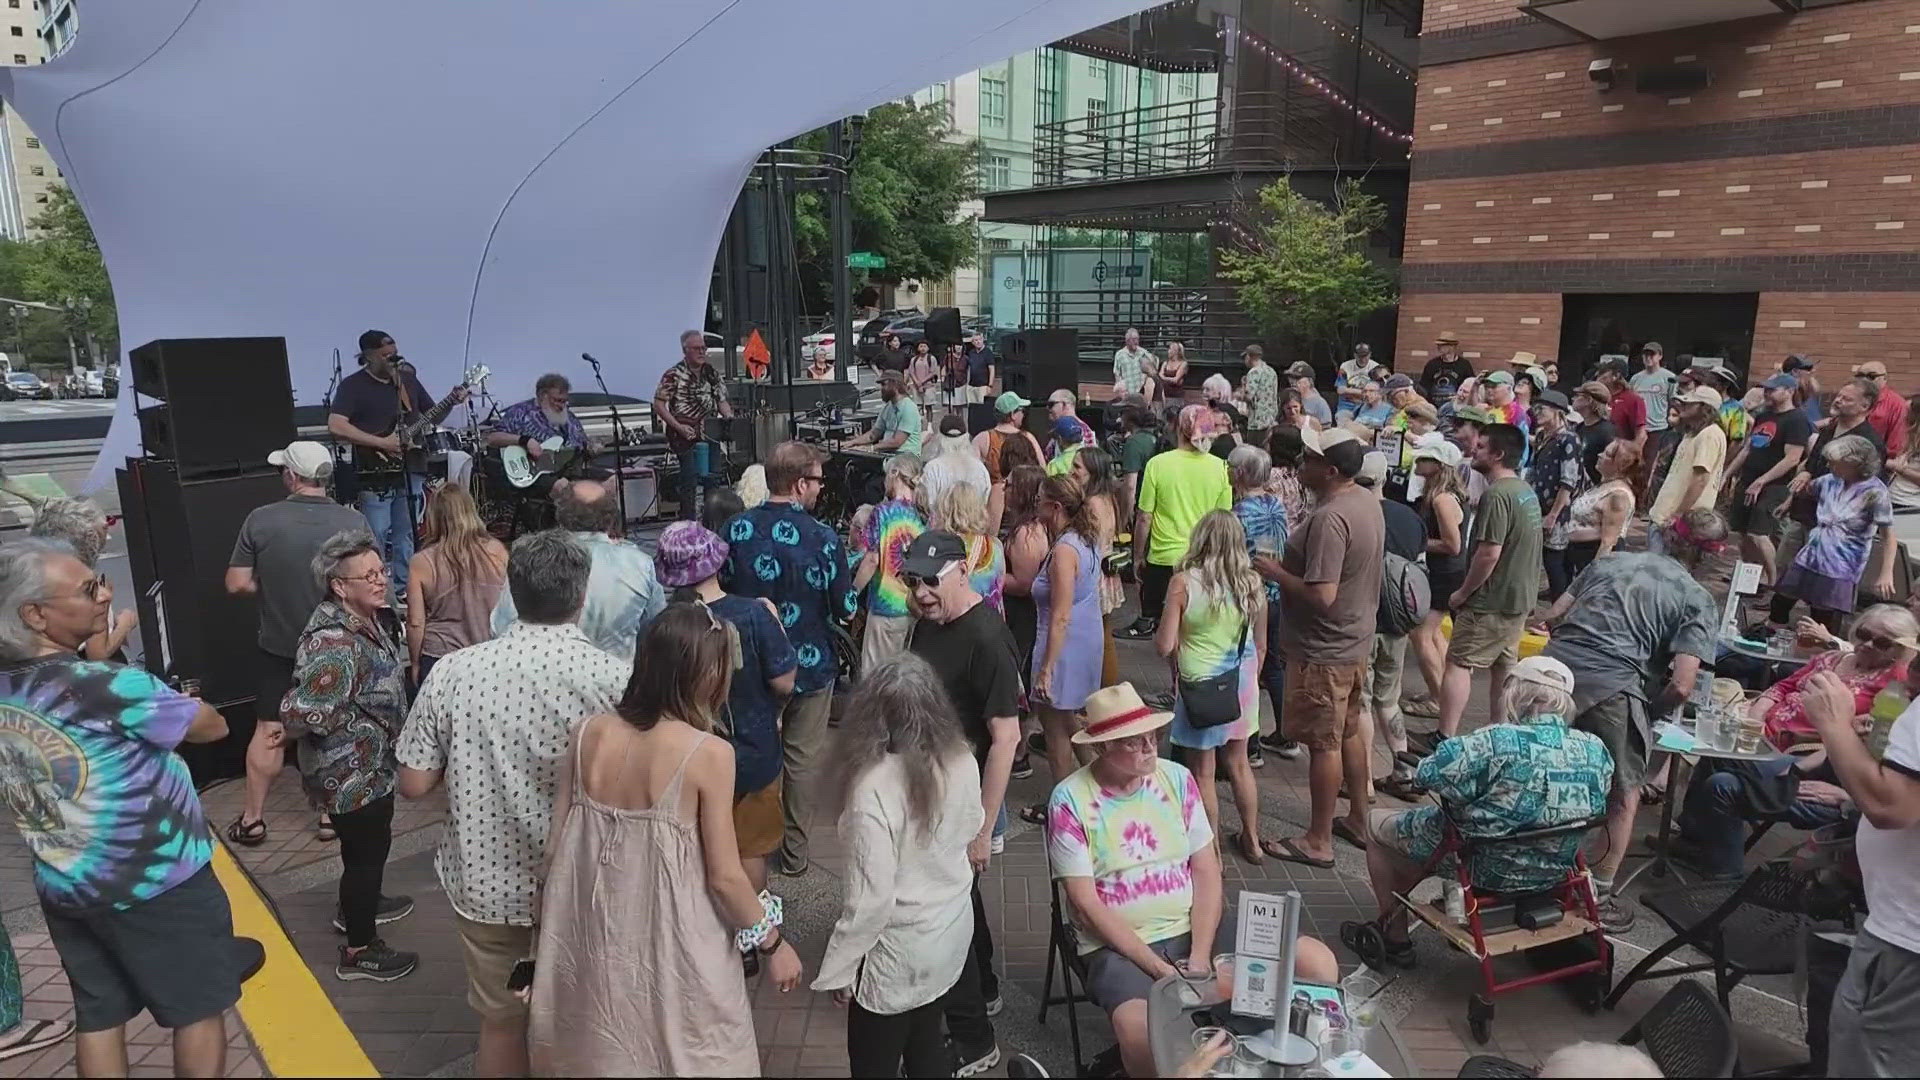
x=306 y=459
x=1373 y=469
x=1700 y=395
x=1546 y=671
x=1437 y=447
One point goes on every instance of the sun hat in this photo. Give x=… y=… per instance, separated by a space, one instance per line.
x=1554 y=398
x=1116 y=712
x=1437 y=447
x=1546 y=671
x=688 y=554
x=1373 y=469
x=1700 y=395
x=1524 y=359
x=1597 y=391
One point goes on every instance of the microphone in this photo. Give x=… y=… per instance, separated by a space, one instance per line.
x=588 y=357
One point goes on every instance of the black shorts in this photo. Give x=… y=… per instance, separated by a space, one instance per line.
x=174 y=956
x=272 y=679
x=1760 y=517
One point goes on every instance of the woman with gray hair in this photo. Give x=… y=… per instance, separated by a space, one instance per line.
x=1852 y=510
x=902 y=950
x=1264 y=517
x=83 y=526
x=344 y=714
x=881 y=534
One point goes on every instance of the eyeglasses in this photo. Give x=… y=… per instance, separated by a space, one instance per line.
x=817 y=478
x=915 y=581
x=89 y=590
x=1139 y=744
x=1878 y=641
x=375 y=576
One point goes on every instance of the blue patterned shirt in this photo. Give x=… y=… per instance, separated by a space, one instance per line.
x=88 y=773
x=623 y=596
x=528 y=421
x=1508 y=778
x=1264 y=517
x=779 y=551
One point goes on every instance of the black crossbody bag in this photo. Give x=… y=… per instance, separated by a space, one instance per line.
x=1215 y=700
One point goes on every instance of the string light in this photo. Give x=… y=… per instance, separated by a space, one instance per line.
x=1347 y=32
x=1317 y=84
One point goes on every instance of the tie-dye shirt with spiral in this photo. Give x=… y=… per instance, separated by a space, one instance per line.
x=890 y=529
x=1136 y=846
x=88 y=772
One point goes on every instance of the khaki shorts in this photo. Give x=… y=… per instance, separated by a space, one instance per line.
x=1484 y=638
x=1323 y=702
x=491 y=951
x=759 y=822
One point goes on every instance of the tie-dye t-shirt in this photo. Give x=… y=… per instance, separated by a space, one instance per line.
x=892 y=527
x=1136 y=847
x=87 y=770
x=1849 y=516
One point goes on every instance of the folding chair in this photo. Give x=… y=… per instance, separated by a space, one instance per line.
x=1686 y=1033
x=1744 y=928
x=1063 y=949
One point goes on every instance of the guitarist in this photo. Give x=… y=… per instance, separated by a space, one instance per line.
x=533 y=422
x=689 y=392
x=366 y=410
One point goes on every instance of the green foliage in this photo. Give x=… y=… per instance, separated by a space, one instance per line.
x=908 y=184
x=1308 y=278
x=59 y=263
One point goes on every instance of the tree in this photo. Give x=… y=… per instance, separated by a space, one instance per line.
x=59 y=263
x=1307 y=280
x=908 y=183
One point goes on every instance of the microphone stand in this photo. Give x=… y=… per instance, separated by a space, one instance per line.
x=619 y=442
x=326 y=399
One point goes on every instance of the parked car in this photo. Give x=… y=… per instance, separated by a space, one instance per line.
x=818 y=344
x=908 y=327
x=27 y=385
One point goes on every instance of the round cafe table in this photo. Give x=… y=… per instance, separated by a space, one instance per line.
x=1170 y=1020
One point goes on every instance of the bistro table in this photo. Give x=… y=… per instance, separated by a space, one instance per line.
x=1659 y=858
x=1173 y=1001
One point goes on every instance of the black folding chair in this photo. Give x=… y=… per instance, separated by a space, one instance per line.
x=1063 y=949
x=1745 y=928
x=1686 y=1033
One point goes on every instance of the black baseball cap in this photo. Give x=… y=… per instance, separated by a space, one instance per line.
x=1797 y=362
x=931 y=552
x=1615 y=364
x=373 y=339
x=953 y=424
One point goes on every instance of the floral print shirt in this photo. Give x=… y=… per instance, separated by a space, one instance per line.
x=1262 y=387
x=1786 y=724
x=1555 y=465
x=346 y=708
x=780 y=552
x=1136 y=846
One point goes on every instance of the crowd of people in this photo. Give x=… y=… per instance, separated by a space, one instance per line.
x=635 y=745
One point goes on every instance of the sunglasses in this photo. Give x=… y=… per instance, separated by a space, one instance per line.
x=915 y=581
x=1878 y=641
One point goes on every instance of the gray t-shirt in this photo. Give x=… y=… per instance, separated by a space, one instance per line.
x=278 y=541
x=1632 y=612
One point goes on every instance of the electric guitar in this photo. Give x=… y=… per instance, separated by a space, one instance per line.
x=556 y=457
x=411 y=429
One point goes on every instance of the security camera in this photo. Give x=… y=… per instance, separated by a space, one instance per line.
x=1601 y=73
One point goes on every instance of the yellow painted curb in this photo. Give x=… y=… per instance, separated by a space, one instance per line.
x=1530 y=642
x=293 y=1022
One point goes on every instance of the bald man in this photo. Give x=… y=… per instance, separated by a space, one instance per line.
x=623 y=592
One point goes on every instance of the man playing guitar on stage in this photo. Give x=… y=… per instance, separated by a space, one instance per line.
x=371 y=400
x=689 y=393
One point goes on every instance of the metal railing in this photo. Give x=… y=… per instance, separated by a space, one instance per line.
x=1208 y=320
x=1258 y=129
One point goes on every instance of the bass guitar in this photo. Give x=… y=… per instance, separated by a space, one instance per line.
x=411 y=429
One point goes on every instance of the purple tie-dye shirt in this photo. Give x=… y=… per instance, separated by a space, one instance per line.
x=1135 y=846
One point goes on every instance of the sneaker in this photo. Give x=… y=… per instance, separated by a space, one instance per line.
x=1284 y=748
x=390 y=909
x=376 y=962
x=998 y=845
x=995 y=1004
x=977 y=1060
x=1140 y=629
x=1036 y=744
x=1617 y=914
x=1022 y=767
x=1255 y=757
x=1161 y=700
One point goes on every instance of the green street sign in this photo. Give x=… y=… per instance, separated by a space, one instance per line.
x=866 y=260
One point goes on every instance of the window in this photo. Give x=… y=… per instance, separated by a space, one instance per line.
x=42 y=197
x=16 y=3
x=38 y=170
x=1047 y=104
x=19 y=58
x=1186 y=85
x=33 y=143
x=996 y=172
x=993 y=99
x=17 y=32
x=1096 y=67
x=999 y=243
x=1096 y=109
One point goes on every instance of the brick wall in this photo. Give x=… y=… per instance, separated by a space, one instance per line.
x=1490 y=326
x=1453 y=14
x=1842 y=329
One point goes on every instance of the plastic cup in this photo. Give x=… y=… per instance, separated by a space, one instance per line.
x=1706 y=731
x=1223 y=976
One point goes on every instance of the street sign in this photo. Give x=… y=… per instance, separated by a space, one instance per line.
x=866 y=260
x=1033 y=283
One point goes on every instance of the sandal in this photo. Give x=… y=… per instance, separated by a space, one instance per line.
x=247 y=834
x=1035 y=814
x=1403 y=788
x=1421 y=705
x=1343 y=831
x=1288 y=851
x=325 y=833
x=1249 y=851
x=1652 y=795
x=34 y=1035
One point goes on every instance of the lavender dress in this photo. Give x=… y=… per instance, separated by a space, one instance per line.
x=1077 y=673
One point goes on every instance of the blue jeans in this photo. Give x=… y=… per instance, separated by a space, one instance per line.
x=695 y=472
x=1719 y=806
x=392 y=526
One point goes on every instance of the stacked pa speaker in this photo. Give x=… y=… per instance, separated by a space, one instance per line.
x=1035 y=364
x=221 y=405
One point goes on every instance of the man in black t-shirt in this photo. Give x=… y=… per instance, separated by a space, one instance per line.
x=1776 y=444
x=971 y=649
x=363 y=411
x=1592 y=404
x=1445 y=371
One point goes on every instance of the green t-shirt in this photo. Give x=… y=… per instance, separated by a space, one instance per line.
x=1509 y=515
x=1178 y=488
x=902 y=415
x=1137 y=451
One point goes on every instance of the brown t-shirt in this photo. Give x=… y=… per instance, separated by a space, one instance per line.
x=1343 y=540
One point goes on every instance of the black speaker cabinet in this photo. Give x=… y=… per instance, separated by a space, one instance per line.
x=1037 y=363
x=224 y=403
x=943 y=327
x=180 y=535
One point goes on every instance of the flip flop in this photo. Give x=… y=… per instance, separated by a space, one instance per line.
x=324 y=832
x=36 y=1035
x=1343 y=831
x=1251 y=854
x=1288 y=851
x=1035 y=814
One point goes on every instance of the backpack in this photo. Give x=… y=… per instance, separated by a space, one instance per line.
x=1405 y=596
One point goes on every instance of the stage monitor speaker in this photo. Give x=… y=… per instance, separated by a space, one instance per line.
x=943 y=327
x=224 y=403
x=981 y=417
x=180 y=535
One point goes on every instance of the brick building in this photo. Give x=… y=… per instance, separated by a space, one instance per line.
x=1774 y=210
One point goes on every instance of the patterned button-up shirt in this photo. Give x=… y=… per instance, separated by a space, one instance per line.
x=345 y=709
x=1262 y=387
x=498 y=719
x=1556 y=464
x=623 y=596
x=529 y=421
x=1130 y=367
x=779 y=551
x=1508 y=778
x=691 y=395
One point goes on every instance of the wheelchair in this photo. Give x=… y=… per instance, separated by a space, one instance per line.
x=1505 y=924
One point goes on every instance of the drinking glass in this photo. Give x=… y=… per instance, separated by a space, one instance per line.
x=1336 y=1043
x=1363 y=1007
x=1729 y=734
x=1706 y=731
x=1749 y=738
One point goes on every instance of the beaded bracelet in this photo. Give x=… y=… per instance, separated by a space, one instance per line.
x=753 y=936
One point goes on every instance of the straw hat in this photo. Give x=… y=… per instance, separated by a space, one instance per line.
x=1116 y=712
